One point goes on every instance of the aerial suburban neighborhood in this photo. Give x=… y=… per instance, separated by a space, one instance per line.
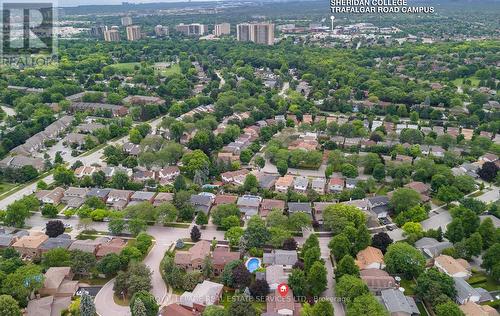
x=259 y=165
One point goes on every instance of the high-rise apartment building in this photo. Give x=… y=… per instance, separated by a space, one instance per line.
x=112 y=35
x=133 y=32
x=161 y=31
x=126 y=20
x=98 y=31
x=260 y=33
x=193 y=29
x=222 y=29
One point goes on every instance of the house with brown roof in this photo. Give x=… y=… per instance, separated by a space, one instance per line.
x=225 y=199
x=88 y=245
x=163 y=197
x=47 y=306
x=319 y=209
x=221 y=256
x=336 y=184
x=28 y=246
x=370 y=258
x=204 y=294
x=192 y=259
x=268 y=205
x=84 y=171
x=74 y=197
x=175 y=309
x=58 y=282
x=115 y=245
x=422 y=188
x=234 y=177
x=377 y=280
x=168 y=174
x=53 y=197
x=473 y=309
x=282 y=305
x=283 y=183
x=118 y=199
x=459 y=268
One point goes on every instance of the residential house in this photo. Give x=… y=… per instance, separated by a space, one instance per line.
x=85 y=171
x=53 y=197
x=175 y=309
x=221 y=256
x=99 y=193
x=118 y=199
x=109 y=171
x=473 y=309
x=453 y=131
x=488 y=157
x=202 y=202
x=377 y=280
x=459 y=268
x=294 y=207
x=280 y=257
x=204 y=294
x=77 y=139
x=249 y=205
x=267 y=205
x=19 y=161
x=350 y=183
x=336 y=184
x=6 y=240
x=465 y=292
x=74 y=197
x=318 y=185
x=142 y=176
x=468 y=133
x=27 y=246
x=88 y=128
x=234 y=177
x=283 y=184
x=379 y=206
x=319 y=208
x=398 y=304
x=221 y=199
x=88 y=245
x=300 y=184
x=370 y=258
x=56 y=242
x=142 y=196
x=115 y=110
x=431 y=247
x=143 y=100
x=275 y=275
x=266 y=181
x=192 y=259
x=163 y=197
x=47 y=306
x=58 y=282
x=437 y=151
x=168 y=174
x=282 y=305
x=115 y=245
x=422 y=188
x=131 y=149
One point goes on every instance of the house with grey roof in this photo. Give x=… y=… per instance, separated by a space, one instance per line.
x=249 y=205
x=6 y=240
x=142 y=196
x=74 y=197
x=294 y=207
x=300 y=184
x=266 y=181
x=99 y=193
x=87 y=128
x=318 y=185
x=57 y=242
x=280 y=257
x=379 y=205
x=204 y=294
x=398 y=304
x=202 y=203
x=275 y=275
x=431 y=247
x=19 y=161
x=465 y=292
x=351 y=183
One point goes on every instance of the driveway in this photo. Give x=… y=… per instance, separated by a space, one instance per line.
x=105 y=305
x=490 y=196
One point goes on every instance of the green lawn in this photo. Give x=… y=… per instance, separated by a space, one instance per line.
x=421 y=309
x=481 y=279
x=174 y=69
x=409 y=286
x=127 y=67
x=459 y=81
x=6 y=186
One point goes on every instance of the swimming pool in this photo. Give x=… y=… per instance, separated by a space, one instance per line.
x=253 y=264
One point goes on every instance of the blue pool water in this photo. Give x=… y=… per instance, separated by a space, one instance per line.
x=253 y=264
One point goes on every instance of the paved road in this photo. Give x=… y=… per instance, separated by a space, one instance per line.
x=8 y=110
